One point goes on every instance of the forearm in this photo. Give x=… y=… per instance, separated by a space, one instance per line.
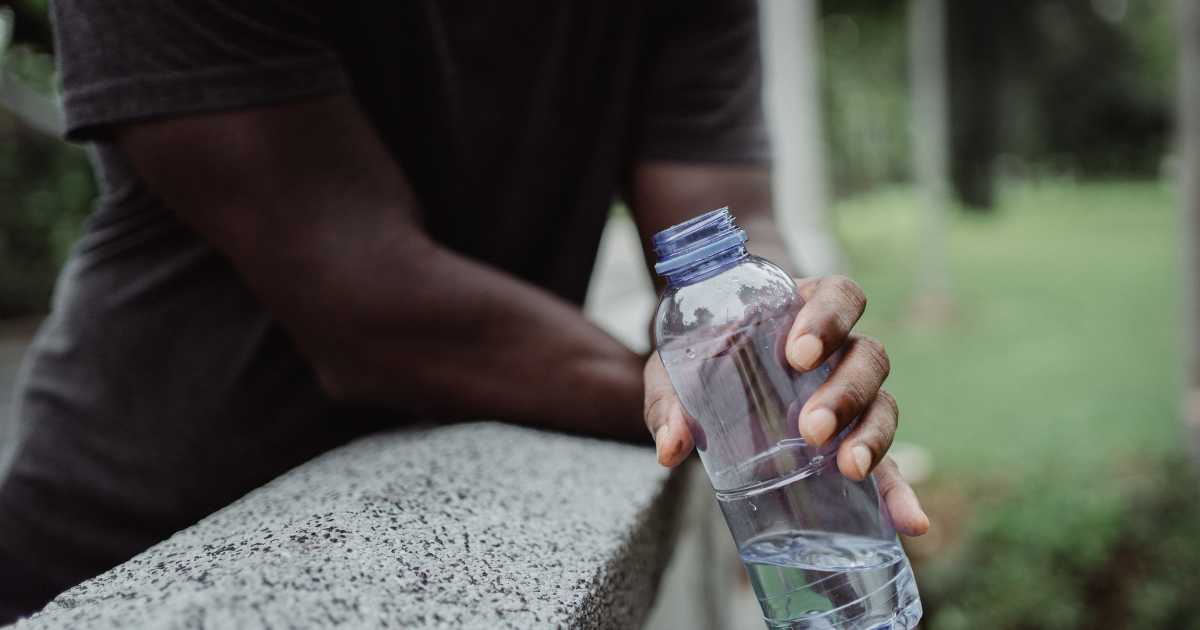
x=432 y=333
x=764 y=238
x=388 y=317
x=664 y=193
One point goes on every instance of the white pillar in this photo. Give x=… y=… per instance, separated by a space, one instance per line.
x=1189 y=195
x=927 y=94
x=791 y=56
x=38 y=111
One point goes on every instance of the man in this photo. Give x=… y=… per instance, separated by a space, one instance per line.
x=320 y=218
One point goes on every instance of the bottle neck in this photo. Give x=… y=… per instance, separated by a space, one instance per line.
x=699 y=248
x=707 y=268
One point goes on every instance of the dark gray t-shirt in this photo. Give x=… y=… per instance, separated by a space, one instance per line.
x=160 y=389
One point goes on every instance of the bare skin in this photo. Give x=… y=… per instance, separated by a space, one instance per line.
x=331 y=241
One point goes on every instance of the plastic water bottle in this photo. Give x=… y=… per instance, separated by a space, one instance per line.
x=820 y=549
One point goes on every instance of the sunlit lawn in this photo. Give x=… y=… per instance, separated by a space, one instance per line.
x=1063 y=345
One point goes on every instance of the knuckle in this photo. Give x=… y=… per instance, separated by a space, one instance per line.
x=886 y=483
x=889 y=403
x=887 y=476
x=656 y=405
x=875 y=355
x=844 y=320
x=878 y=436
x=842 y=303
x=331 y=383
x=848 y=290
x=876 y=444
x=855 y=396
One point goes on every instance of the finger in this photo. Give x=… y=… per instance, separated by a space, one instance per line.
x=851 y=388
x=902 y=502
x=664 y=415
x=832 y=307
x=806 y=286
x=870 y=439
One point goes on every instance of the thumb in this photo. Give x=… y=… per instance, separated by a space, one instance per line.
x=664 y=415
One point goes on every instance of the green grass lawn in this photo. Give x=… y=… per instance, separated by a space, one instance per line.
x=1062 y=351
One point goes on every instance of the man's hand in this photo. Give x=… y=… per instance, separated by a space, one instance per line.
x=854 y=390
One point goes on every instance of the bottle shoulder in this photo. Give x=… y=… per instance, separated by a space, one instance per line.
x=753 y=289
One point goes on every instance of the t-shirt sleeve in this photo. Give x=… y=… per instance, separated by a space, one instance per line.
x=128 y=60
x=703 y=85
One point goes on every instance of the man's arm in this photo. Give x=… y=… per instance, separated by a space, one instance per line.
x=321 y=223
x=663 y=194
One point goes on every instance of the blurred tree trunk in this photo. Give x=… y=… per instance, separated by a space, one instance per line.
x=31 y=24
x=927 y=90
x=1189 y=176
x=974 y=41
x=38 y=111
x=793 y=90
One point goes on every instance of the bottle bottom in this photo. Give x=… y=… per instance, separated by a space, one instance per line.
x=807 y=580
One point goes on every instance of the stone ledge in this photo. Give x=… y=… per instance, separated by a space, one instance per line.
x=478 y=525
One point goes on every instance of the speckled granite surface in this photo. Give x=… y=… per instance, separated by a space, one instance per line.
x=478 y=525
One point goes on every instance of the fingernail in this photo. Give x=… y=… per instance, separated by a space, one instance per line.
x=806 y=351
x=862 y=459
x=818 y=425
x=920 y=525
x=660 y=436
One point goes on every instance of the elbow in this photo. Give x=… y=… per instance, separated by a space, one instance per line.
x=337 y=366
x=349 y=384
x=352 y=376
x=334 y=383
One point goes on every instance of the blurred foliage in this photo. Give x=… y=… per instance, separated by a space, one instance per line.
x=46 y=186
x=46 y=189
x=1095 y=85
x=1077 y=552
x=1073 y=87
x=34 y=69
x=863 y=62
x=1064 y=324
x=1048 y=405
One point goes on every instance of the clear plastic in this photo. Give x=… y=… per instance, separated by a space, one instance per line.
x=820 y=549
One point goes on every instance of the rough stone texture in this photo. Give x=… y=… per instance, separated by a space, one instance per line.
x=479 y=525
